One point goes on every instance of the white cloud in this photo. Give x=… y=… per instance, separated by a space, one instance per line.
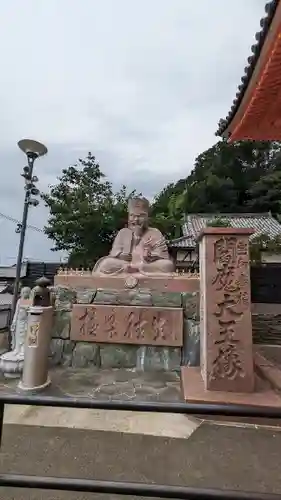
x=140 y=84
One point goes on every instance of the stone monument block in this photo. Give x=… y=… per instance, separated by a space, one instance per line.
x=127 y=324
x=174 y=283
x=225 y=310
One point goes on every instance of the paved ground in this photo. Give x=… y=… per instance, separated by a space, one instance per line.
x=126 y=385
x=107 y=384
x=163 y=448
x=214 y=456
x=272 y=353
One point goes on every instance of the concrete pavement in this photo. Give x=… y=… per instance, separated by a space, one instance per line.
x=214 y=456
x=126 y=385
x=155 y=424
x=163 y=448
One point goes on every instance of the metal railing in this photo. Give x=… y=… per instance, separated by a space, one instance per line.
x=128 y=488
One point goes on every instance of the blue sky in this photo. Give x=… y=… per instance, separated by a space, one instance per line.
x=141 y=84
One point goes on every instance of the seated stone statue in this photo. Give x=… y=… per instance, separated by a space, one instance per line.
x=137 y=248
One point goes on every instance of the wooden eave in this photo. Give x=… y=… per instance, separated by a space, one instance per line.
x=256 y=110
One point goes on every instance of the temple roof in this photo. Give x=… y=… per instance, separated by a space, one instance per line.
x=10 y=271
x=256 y=49
x=194 y=223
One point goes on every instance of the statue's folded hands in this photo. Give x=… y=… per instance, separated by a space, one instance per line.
x=149 y=258
x=125 y=256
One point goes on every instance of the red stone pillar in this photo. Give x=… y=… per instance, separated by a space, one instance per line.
x=225 y=310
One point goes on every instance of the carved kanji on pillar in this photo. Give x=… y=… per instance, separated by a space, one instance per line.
x=226 y=330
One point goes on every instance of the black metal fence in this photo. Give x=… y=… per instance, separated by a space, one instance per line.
x=127 y=488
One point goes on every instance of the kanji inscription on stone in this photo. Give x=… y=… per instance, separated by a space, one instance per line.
x=127 y=324
x=226 y=329
x=227 y=363
x=32 y=335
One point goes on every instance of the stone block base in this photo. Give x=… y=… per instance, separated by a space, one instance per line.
x=133 y=353
x=11 y=364
x=169 y=283
x=103 y=356
x=194 y=392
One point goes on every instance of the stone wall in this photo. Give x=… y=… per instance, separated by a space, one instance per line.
x=65 y=352
x=191 y=330
x=266 y=328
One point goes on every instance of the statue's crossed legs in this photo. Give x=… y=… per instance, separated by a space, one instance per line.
x=112 y=265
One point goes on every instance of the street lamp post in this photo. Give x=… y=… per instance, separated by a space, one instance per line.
x=33 y=150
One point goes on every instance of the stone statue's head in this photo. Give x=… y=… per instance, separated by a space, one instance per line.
x=138 y=209
x=25 y=292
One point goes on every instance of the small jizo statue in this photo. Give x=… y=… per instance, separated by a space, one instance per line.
x=11 y=363
x=137 y=248
x=19 y=323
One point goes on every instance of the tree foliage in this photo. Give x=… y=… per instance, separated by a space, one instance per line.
x=85 y=213
x=262 y=243
x=239 y=177
x=219 y=222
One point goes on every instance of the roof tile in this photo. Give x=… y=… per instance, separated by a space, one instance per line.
x=270 y=9
x=195 y=223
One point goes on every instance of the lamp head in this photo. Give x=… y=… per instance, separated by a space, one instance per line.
x=32 y=148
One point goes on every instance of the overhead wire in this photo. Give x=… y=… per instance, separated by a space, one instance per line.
x=16 y=221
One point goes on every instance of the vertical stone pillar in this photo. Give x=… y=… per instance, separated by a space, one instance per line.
x=37 y=343
x=225 y=310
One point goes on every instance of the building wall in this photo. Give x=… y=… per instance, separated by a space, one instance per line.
x=266 y=284
x=5 y=311
x=266 y=328
x=271 y=258
x=184 y=255
x=36 y=270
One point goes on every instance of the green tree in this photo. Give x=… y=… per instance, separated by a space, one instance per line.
x=219 y=222
x=263 y=243
x=265 y=194
x=237 y=177
x=162 y=202
x=223 y=176
x=166 y=211
x=85 y=213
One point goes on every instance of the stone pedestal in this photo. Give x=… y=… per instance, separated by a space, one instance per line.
x=165 y=283
x=38 y=337
x=11 y=364
x=226 y=374
x=137 y=328
x=225 y=315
